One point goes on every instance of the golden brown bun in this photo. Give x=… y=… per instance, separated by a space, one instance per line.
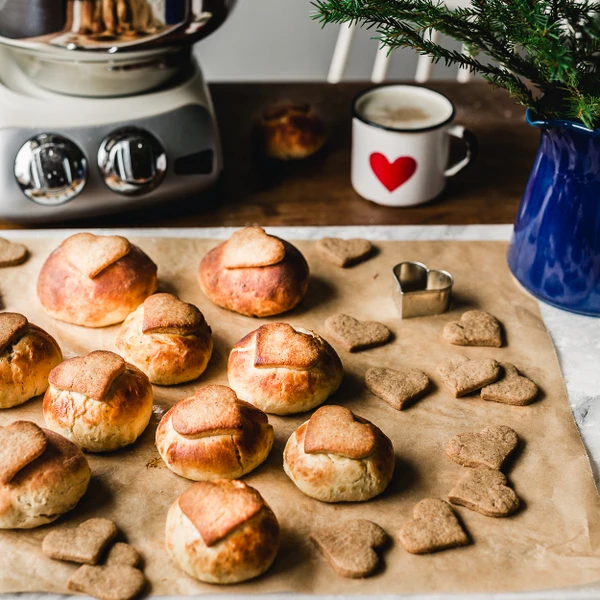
x=255 y=291
x=222 y=532
x=290 y=130
x=47 y=487
x=169 y=352
x=26 y=359
x=350 y=459
x=98 y=401
x=69 y=294
x=283 y=369
x=213 y=435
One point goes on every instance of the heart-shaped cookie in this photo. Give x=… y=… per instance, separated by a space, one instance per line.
x=165 y=313
x=122 y=554
x=107 y=582
x=212 y=410
x=90 y=375
x=475 y=328
x=397 y=387
x=12 y=326
x=463 y=376
x=280 y=345
x=21 y=442
x=485 y=491
x=350 y=547
x=434 y=527
x=513 y=388
x=335 y=430
x=344 y=253
x=488 y=449
x=252 y=247
x=355 y=335
x=84 y=544
x=217 y=507
x=11 y=254
x=90 y=254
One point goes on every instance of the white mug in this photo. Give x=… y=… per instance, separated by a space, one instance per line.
x=401 y=144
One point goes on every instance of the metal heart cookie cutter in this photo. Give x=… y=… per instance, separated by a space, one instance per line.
x=421 y=292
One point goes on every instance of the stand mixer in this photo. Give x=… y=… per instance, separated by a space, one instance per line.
x=103 y=107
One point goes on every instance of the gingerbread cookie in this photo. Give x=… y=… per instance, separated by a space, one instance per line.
x=344 y=253
x=397 y=387
x=488 y=449
x=107 y=582
x=475 y=328
x=356 y=335
x=462 y=375
x=11 y=254
x=513 y=388
x=123 y=554
x=21 y=442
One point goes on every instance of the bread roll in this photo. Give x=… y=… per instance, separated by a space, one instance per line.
x=27 y=355
x=336 y=456
x=283 y=369
x=98 y=401
x=222 y=532
x=213 y=435
x=254 y=274
x=169 y=340
x=95 y=281
x=46 y=486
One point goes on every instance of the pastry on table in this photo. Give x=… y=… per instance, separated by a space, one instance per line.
x=42 y=475
x=167 y=339
x=213 y=435
x=98 y=401
x=95 y=281
x=336 y=456
x=283 y=369
x=27 y=355
x=222 y=532
x=254 y=274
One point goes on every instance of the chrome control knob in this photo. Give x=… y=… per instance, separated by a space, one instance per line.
x=51 y=169
x=132 y=161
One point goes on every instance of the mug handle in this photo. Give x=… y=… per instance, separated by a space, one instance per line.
x=458 y=131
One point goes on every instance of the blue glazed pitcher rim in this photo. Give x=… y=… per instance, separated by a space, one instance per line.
x=533 y=120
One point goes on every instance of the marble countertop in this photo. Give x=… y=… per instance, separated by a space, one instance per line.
x=576 y=339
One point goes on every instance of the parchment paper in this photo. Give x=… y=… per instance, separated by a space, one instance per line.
x=553 y=541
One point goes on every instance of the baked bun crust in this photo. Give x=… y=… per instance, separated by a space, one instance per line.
x=167 y=339
x=345 y=458
x=283 y=369
x=213 y=435
x=77 y=293
x=27 y=355
x=271 y=280
x=98 y=401
x=222 y=532
x=46 y=488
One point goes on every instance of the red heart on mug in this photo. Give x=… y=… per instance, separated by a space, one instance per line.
x=392 y=175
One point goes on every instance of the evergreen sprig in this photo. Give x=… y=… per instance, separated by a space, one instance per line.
x=546 y=53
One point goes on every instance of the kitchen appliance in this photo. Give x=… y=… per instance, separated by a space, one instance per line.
x=103 y=107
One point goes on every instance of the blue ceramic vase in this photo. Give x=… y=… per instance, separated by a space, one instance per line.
x=555 y=248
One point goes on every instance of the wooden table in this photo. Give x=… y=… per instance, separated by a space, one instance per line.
x=318 y=191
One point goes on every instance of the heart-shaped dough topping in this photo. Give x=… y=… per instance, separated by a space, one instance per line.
x=212 y=410
x=344 y=253
x=513 y=389
x=463 y=376
x=350 y=547
x=475 y=328
x=84 y=544
x=280 y=345
x=355 y=335
x=11 y=254
x=108 y=582
x=90 y=375
x=335 y=430
x=21 y=442
x=397 y=387
x=488 y=449
x=90 y=254
x=12 y=327
x=252 y=247
x=216 y=508
x=165 y=313
x=433 y=527
x=485 y=491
